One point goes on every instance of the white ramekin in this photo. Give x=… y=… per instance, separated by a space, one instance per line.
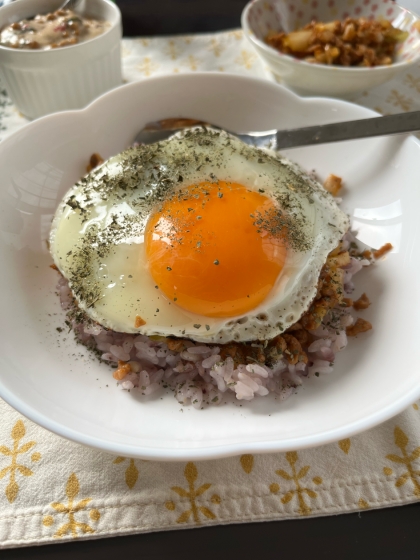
x=42 y=82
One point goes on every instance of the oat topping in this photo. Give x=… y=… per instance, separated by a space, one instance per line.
x=362 y=303
x=360 y=326
x=351 y=42
x=61 y=28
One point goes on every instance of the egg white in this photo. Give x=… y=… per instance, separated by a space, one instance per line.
x=97 y=235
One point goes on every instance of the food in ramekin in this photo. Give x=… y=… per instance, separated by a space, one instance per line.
x=208 y=266
x=352 y=42
x=61 y=28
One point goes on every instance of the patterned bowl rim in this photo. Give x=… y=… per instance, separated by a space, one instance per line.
x=325 y=67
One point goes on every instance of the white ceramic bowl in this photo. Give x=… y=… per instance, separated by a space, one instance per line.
x=42 y=82
x=262 y=16
x=56 y=383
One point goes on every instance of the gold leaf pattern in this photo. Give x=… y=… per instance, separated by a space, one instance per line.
x=287 y=497
x=48 y=520
x=184 y=517
x=363 y=504
x=147 y=66
x=412 y=82
x=3 y=472
x=345 y=445
x=284 y=474
x=203 y=488
x=216 y=499
x=82 y=504
x=24 y=471
x=131 y=473
x=18 y=432
x=237 y=34
x=303 y=471
x=396 y=459
x=191 y=62
x=292 y=458
x=401 y=438
x=125 y=52
x=208 y=513
x=246 y=59
x=247 y=463
x=401 y=441
x=94 y=514
x=402 y=480
x=172 y=50
x=72 y=487
x=61 y=508
x=180 y=491
x=72 y=526
x=216 y=47
x=27 y=446
x=11 y=491
x=143 y=42
x=191 y=475
x=399 y=100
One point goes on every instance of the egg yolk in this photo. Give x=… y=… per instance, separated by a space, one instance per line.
x=215 y=249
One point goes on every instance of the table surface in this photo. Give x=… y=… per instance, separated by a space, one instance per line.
x=382 y=534
x=372 y=535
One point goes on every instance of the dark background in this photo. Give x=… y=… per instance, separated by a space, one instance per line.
x=391 y=534
x=388 y=534
x=165 y=17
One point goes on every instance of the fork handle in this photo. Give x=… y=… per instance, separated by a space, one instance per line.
x=351 y=130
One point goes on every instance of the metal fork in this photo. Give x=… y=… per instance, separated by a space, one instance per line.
x=400 y=123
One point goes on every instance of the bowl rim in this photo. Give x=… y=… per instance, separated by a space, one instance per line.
x=42 y=52
x=221 y=450
x=270 y=51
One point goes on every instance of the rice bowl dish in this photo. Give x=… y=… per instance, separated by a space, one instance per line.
x=135 y=243
x=60 y=386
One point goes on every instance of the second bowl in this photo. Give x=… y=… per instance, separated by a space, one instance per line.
x=261 y=17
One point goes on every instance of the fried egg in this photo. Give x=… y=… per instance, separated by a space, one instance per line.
x=198 y=236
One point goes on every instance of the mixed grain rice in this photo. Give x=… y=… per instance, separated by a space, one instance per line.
x=202 y=374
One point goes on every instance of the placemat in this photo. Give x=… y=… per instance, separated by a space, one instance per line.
x=54 y=490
